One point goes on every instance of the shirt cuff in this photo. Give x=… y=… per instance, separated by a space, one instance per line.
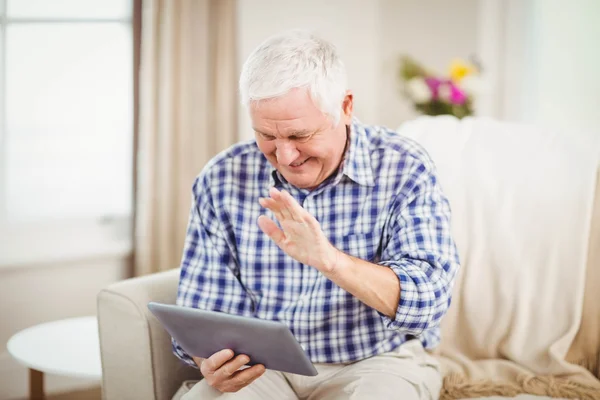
x=182 y=355
x=416 y=308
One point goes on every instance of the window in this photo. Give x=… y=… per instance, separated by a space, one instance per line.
x=541 y=59
x=66 y=129
x=565 y=89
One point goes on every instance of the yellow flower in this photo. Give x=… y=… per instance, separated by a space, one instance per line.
x=459 y=69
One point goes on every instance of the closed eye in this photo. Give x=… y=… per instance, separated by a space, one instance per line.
x=264 y=136
x=300 y=138
x=304 y=137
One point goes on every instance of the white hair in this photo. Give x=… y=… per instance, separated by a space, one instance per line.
x=295 y=59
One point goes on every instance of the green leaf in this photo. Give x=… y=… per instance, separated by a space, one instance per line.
x=409 y=68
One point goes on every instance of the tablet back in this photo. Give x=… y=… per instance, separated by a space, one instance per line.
x=202 y=333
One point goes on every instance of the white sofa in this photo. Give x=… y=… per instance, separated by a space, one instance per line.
x=525 y=315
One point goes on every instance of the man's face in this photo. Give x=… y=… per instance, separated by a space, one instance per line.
x=298 y=139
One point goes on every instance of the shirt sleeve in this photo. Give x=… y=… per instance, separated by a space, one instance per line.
x=421 y=252
x=209 y=277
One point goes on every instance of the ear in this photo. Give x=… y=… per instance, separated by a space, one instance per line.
x=347 y=108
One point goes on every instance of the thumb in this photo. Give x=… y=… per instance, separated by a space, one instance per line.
x=198 y=361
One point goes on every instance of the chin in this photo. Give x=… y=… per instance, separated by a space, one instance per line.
x=301 y=184
x=304 y=180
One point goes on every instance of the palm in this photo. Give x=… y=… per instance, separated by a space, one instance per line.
x=301 y=236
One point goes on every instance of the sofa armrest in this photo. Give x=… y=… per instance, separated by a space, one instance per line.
x=137 y=360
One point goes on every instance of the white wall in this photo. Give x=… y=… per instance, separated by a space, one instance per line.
x=352 y=25
x=432 y=31
x=33 y=294
x=370 y=36
x=540 y=57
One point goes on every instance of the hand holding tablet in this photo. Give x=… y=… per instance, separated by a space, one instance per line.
x=204 y=333
x=222 y=371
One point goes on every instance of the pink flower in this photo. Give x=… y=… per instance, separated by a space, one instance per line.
x=457 y=96
x=434 y=85
x=445 y=90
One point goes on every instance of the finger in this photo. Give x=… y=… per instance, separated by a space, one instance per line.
x=229 y=368
x=245 y=377
x=270 y=229
x=271 y=205
x=274 y=193
x=276 y=196
x=214 y=362
x=279 y=198
x=292 y=207
x=251 y=374
x=291 y=203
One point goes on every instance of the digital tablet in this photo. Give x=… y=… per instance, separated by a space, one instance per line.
x=202 y=333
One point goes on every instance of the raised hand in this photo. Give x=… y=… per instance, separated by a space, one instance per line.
x=301 y=236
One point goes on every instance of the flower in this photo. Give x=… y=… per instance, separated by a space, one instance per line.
x=450 y=93
x=445 y=92
x=457 y=96
x=418 y=90
x=459 y=69
x=434 y=86
x=434 y=94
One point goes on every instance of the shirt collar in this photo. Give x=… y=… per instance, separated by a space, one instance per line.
x=274 y=180
x=357 y=161
x=356 y=164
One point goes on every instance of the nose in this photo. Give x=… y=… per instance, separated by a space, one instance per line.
x=286 y=152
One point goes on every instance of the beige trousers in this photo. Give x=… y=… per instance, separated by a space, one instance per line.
x=407 y=373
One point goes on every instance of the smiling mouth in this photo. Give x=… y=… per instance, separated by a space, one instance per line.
x=296 y=165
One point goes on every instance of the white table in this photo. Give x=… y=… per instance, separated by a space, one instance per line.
x=67 y=347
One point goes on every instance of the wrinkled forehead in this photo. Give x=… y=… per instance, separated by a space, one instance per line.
x=292 y=113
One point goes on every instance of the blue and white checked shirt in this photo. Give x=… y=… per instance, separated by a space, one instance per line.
x=384 y=206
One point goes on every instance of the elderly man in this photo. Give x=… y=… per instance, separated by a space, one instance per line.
x=337 y=229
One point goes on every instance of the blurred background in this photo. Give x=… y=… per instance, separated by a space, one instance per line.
x=110 y=108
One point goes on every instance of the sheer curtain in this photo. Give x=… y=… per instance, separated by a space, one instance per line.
x=540 y=59
x=188 y=110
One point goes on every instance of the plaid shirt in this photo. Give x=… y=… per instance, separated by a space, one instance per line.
x=384 y=206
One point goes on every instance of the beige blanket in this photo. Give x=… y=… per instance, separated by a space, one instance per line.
x=524 y=318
